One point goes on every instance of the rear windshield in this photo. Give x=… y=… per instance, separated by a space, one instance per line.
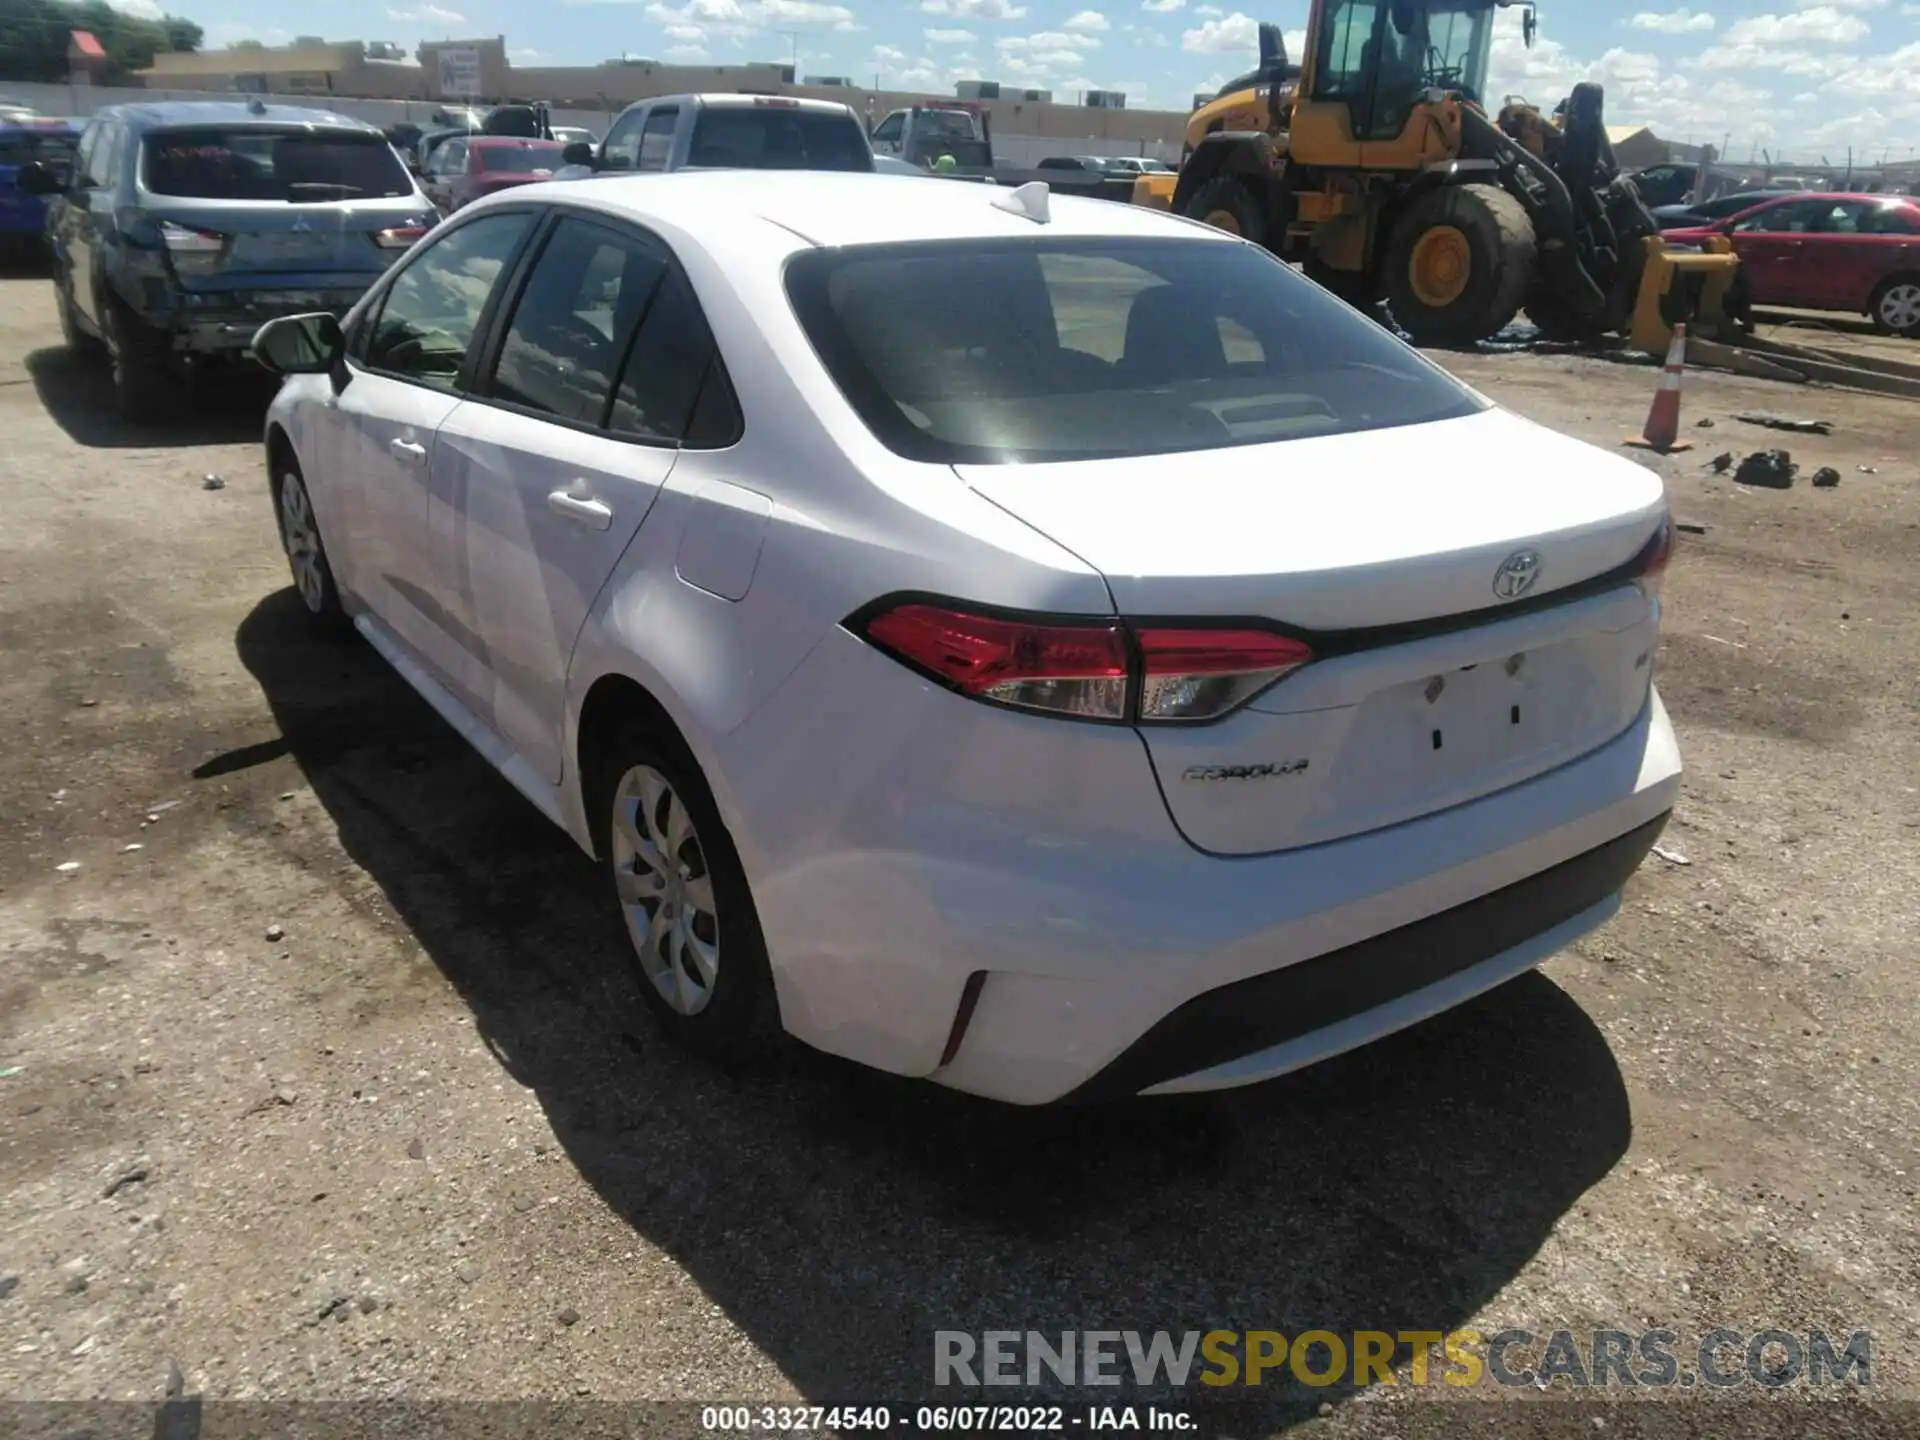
x=1087 y=348
x=770 y=137
x=261 y=163
x=536 y=157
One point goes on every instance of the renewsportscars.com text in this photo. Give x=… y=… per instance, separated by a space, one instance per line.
x=1595 y=1359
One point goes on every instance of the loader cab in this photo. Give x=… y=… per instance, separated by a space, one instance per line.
x=1369 y=69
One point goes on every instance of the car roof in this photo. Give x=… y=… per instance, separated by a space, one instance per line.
x=231 y=113
x=734 y=100
x=835 y=208
x=501 y=142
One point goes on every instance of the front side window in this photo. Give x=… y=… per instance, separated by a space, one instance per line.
x=656 y=139
x=1088 y=348
x=432 y=309
x=890 y=131
x=622 y=148
x=574 y=320
x=1791 y=219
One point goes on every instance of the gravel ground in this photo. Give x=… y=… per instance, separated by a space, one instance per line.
x=313 y=1086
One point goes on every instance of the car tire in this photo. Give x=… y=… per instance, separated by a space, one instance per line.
x=81 y=342
x=143 y=379
x=1895 y=307
x=693 y=935
x=1458 y=264
x=1227 y=204
x=306 y=551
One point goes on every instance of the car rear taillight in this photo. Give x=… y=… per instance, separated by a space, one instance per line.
x=1651 y=563
x=1090 y=670
x=1070 y=669
x=192 y=251
x=1202 y=674
x=399 y=237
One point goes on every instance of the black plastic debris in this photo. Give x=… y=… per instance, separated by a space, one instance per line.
x=1825 y=478
x=1795 y=423
x=1773 y=469
x=1720 y=464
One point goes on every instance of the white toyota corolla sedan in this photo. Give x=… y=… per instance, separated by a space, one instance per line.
x=1037 y=644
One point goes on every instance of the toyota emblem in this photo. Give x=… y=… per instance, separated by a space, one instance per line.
x=1516 y=574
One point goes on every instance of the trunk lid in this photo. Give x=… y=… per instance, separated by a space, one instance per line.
x=1382 y=548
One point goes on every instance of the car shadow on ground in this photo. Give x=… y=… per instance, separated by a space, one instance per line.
x=227 y=408
x=841 y=1217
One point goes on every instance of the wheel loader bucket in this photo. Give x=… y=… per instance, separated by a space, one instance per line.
x=1155 y=191
x=1684 y=286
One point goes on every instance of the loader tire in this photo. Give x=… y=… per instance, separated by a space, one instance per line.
x=1227 y=204
x=1460 y=261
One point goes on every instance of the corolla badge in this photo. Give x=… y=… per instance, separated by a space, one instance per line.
x=1272 y=771
x=1516 y=574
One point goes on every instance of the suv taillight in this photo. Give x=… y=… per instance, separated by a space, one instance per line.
x=399 y=237
x=1091 y=670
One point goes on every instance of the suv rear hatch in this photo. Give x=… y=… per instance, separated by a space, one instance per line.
x=242 y=208
x=1428 y=682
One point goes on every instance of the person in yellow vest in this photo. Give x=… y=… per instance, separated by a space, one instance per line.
x=945 y=165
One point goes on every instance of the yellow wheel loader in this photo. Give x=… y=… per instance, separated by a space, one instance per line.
x=1374 y=162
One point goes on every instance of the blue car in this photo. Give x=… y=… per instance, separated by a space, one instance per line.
x=25 y=140
x=183 y=227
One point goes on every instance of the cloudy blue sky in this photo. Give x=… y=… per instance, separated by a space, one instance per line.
x=1797 y=76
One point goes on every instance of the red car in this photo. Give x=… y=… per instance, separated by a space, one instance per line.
x=1828 y=252
x=464 y=169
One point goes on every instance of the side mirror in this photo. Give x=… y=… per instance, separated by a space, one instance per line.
x=579 y=152
x=34 y=178
x=300 y=344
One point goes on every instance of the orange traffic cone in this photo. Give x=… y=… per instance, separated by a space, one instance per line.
x=1663 y=417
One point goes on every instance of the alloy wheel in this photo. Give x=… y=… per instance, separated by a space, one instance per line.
x=665 y=889
x=301 y=536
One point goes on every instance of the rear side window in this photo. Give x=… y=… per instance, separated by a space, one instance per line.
x=772 y=137
x=585 y=296
x=656 y=139
x=1086 y=348
x=668 y=371
x=262 y=163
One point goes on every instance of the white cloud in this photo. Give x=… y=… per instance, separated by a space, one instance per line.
x=1816 y=25
x=432 y=14
x=526 y=56
x=975 y=9
x=1234 y=33
x=948 y=37
x=686 y=32
x=886 y=55
x=1162 y=7
x=731 y=20
x=1673 y=22
x=1047 y=40
x=686 y=54
x=139 y=9
x=1089 y=22
x=1208 y=11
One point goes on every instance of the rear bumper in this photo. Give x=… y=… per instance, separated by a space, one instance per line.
x=1257 y=1028
x=220 y=324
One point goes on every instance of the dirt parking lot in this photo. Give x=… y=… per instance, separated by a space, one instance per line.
x=314 y=1083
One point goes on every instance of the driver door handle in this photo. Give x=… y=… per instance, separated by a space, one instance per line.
x=408 y=451
x=580 y=508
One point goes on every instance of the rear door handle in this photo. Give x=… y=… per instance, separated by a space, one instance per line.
x=408 y=451
x=593 y=514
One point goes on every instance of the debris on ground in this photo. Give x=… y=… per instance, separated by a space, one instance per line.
x=1721 y=463
x=1772 y=468
x=569 y=1316
x=10 y=1071
x=274 y=932
x=1672 y=857
x=1688 y=527
x=213 y=482
x=176 y=1380
x=1825 y=478
x=1703 y=424
x=131 y=1175
x=1795 y=423
x=416 y=1151
x=467 y=1271
x=67 y=867
x=1868 y=469
x=129 y=849
x=8 y=1284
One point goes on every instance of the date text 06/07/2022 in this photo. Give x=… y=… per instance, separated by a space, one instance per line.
x=940 y=1419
